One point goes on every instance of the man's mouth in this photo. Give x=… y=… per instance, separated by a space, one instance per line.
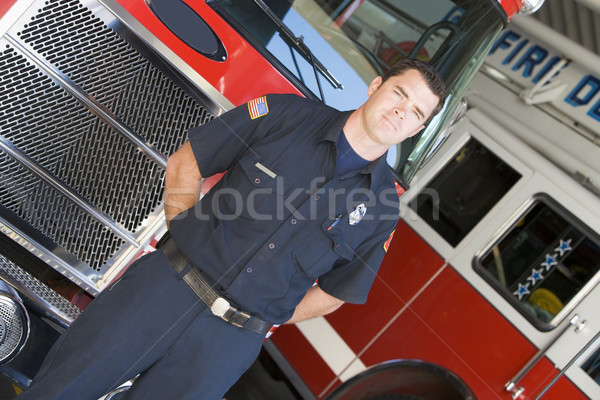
x=389 y=122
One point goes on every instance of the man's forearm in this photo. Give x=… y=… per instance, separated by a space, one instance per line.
x=183 y=182
x=314 y=304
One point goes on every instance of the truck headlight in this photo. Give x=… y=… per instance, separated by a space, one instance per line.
x=14 y=324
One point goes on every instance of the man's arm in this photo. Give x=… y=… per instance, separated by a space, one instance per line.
x=182 y=182
x=314 y=304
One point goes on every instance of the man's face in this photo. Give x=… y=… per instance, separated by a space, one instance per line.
x=397 y=108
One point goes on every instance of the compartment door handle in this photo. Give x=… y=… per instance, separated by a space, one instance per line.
x=513 y=385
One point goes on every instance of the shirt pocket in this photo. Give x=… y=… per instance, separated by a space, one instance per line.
x=324 y=247
x=256 y=191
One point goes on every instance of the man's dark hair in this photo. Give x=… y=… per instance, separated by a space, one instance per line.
x=431 y=75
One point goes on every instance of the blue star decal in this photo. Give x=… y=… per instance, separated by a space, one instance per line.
x=550 y=261
x=522 y=290
x=536 y=275
x=564 y=247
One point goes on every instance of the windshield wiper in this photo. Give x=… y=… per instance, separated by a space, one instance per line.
x=298 y=42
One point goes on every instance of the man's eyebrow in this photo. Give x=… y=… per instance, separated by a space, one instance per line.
x=405 y=94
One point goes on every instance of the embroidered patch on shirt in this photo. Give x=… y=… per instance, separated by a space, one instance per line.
x=258 y=107
x=386 y=245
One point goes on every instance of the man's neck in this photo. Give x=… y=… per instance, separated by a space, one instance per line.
x=359 y=140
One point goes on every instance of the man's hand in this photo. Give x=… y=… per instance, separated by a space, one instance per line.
x=182 y=182
x=314 y=304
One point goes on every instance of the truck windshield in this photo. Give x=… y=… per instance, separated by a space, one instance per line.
x=351 y=42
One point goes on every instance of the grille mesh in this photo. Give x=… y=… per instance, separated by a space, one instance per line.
x=99 y=164
x=106 y=67
x=46 y=210
x=37 y=116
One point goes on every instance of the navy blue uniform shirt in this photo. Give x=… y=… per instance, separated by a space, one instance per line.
x=278 y=220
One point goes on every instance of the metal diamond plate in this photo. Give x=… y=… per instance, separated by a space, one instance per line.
x=23 y=281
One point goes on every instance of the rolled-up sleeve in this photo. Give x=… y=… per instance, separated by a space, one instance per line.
x=351 y=281
x=220 y=143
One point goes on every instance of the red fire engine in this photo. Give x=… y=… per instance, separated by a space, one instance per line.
x=488 y=285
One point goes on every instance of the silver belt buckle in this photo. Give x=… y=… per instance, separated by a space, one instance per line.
x=219 y=307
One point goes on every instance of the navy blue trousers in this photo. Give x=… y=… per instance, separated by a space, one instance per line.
x=150 y=323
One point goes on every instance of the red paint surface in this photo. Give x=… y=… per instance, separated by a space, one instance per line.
x=5 y=5
x=511 y=7
x=303 y=357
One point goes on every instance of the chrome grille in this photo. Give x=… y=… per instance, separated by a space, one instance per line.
x=47 y=211
x=55 y=119
x=105 y=66
x=82 y=154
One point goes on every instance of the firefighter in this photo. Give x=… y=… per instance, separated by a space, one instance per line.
x=307 y=196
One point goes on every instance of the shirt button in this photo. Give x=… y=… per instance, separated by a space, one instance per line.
x=317 y=197
x=249 y=269
x=293 y=221
x=337 y=244
x=257 y=181
x=271 y=246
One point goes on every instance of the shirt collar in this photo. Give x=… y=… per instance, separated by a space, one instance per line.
x=378 y=169
x=333 y=128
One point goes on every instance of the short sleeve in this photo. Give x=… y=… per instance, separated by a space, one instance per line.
x=220 y=143
x=351 y=281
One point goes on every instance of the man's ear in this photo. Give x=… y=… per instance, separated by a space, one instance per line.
x=374 y=85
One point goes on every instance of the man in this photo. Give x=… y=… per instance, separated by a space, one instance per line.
x=307 y=196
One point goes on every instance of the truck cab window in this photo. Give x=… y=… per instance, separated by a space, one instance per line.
x=464 y=191
x=544 y=263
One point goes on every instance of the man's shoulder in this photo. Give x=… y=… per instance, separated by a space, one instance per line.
x=298 y=103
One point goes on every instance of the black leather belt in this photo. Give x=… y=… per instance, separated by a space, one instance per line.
x=219 y=306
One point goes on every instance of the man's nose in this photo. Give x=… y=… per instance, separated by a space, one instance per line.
x=400 y=111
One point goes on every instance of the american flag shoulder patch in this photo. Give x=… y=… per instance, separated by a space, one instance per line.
x=258 y=107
